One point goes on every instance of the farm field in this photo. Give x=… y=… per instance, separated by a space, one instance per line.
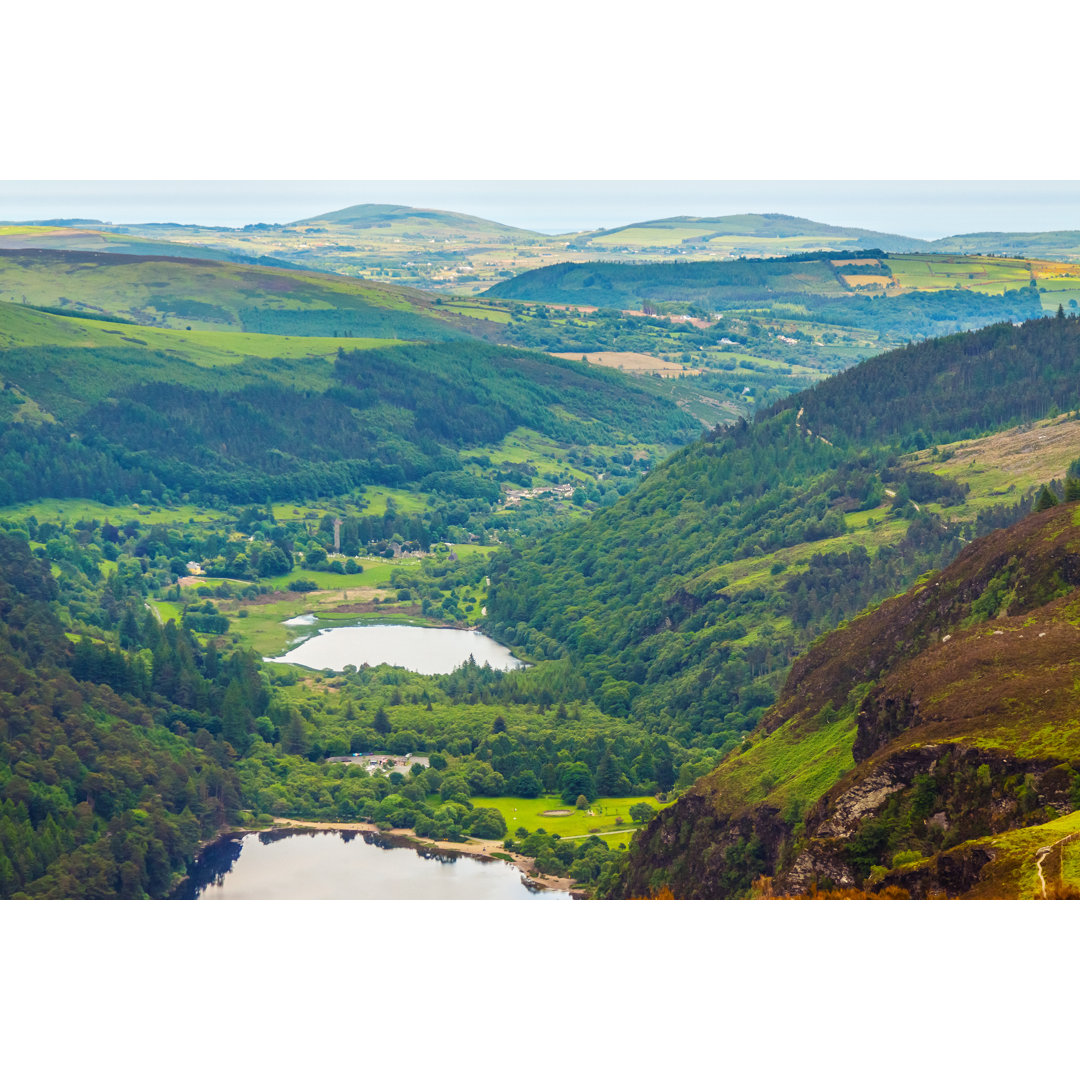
x=637 y=363
x=948 y=271
x=530 y=814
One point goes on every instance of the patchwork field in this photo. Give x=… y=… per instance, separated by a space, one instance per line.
x=948 y=271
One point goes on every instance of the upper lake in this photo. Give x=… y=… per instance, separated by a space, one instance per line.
x=423 y=649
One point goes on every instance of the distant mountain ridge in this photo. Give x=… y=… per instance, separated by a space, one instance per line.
x=384 y=215
x=771 y=226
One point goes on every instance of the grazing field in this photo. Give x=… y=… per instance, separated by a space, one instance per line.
x=637 y=363
x=477 y=311
x=566 y=821
x=936 y=272
x=90 y=509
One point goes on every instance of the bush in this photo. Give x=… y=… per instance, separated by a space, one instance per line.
x=902 y=858
x=303 y=585
x=487 y=823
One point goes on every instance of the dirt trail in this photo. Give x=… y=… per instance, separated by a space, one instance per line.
x=1042 y=853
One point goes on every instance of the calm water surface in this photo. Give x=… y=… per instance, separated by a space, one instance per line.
x=424 y=649
x=286 y=865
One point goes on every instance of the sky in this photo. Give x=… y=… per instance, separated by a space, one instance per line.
x=926 y=209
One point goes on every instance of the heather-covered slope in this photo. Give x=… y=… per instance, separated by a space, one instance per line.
x=931 y=745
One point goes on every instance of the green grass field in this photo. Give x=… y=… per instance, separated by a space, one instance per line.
x=24 y=327
x=602 y=815
x=89 y=510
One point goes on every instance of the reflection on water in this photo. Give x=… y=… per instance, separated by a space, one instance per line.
x=301 y=865
x=428 y=650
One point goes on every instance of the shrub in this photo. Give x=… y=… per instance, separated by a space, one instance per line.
x=902 y=858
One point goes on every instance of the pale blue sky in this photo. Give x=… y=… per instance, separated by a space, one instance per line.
x=926 y=209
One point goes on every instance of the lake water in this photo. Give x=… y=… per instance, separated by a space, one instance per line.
x=300 y=865
x=424 y=649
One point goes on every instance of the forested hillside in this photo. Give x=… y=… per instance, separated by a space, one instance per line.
x=683 y=603
x=112 y=415
x=951 y=388
x=100 y=796
x=817 y=287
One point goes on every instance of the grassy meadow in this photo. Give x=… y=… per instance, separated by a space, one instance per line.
x=602 y=817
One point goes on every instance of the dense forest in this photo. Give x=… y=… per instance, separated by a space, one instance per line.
x=952 y=387
x=258 y=431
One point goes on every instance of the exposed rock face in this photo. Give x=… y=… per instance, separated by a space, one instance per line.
x=861 y=800
x=948 y=875
x=817 y=867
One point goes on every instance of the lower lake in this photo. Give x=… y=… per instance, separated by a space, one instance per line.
x=425 y=649
x=301 y=865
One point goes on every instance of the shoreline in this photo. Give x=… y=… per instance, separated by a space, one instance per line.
x=475 y=849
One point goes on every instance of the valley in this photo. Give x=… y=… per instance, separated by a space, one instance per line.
x=763 y=535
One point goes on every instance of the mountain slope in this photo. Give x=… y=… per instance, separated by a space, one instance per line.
x=100 y=796
x=90 y=407
x=200 y=294
x=926 y=746
x=686 y=600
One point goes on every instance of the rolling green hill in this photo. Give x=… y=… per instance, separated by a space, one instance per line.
x=929 y=748
x=410 y=221
x=1058 y=244
x=203 y=295
x=856 y=289
x=75 y=236
x=744 y=234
